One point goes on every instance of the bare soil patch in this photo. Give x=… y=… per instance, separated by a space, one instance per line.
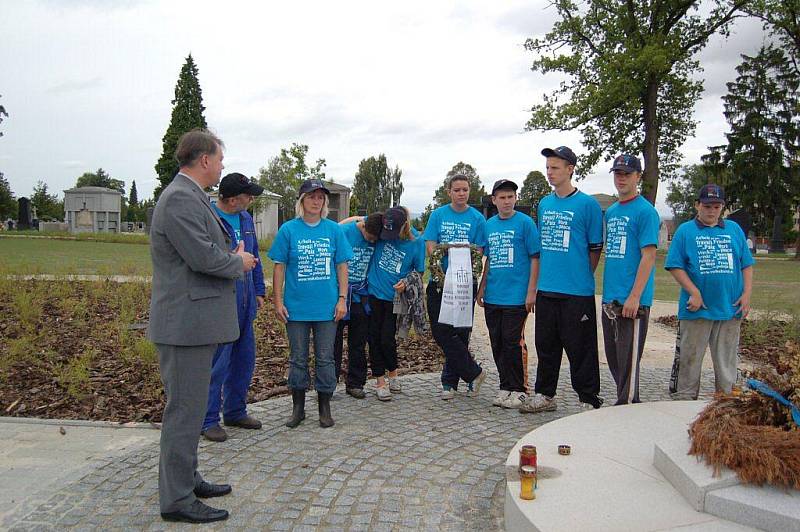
x=77 y=350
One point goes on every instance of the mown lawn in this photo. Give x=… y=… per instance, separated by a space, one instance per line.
x=776 y=285
x=22 y=256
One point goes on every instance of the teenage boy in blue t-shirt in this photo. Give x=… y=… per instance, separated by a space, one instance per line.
x=454 y=223
x=362 y=233
x=710 y=259
x=508 y=291
x=571 y=232
x=628 y=279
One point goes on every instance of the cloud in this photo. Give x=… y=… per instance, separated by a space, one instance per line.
x=72 y=164
x=75 y=85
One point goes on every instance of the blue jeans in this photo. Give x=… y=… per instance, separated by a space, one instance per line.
x=324 y=335
x=231 y=372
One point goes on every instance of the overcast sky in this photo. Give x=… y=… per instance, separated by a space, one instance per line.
x=88 y=84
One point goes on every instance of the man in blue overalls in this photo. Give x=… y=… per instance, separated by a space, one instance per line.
x=234 y=363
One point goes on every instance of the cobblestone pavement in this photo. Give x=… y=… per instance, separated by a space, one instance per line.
x=415 y=462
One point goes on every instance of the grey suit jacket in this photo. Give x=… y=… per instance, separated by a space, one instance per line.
x=194 y=290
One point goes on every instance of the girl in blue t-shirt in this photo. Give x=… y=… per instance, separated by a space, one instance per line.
x=397 y=254
x=309 y=292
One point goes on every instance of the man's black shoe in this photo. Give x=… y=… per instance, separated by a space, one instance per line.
x=207 y=490
x=358 y=393
x=246 y=422
x=198 y=512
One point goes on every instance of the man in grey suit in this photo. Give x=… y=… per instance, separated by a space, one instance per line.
x=192 y=309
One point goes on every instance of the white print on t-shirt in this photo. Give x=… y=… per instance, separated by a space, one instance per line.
x=714 y=254
x=391 y=259
x=617 y=237
x=555 y=230
x=314 y=259
x=454 y=232
x=357 y=268
x=501 y=246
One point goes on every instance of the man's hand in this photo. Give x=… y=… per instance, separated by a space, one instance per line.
x=744 y=305
x=630 y=307
x=248 y=260
x=400 y=286
x=281 y=311
x=530 y=302
x=341 y=310
x=695 y=302
x=260 y=302
x=479 y=297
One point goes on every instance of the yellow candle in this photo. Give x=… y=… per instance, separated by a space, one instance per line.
x=527 y=481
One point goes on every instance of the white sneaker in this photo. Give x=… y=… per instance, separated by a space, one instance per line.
x=383 y=393
x=538 y=403
x=394 y=385
x=515 y=400
x=501 y=396
x=448 y=393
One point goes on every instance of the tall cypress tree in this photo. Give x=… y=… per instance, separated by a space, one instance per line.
x=187 y=114
x=133 y=198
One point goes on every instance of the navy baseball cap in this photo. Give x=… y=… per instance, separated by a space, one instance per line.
x=627 y=163
x=562 y=152
x=711 y=194
x=504 y=184
x=236 y=183
x=310 y=185
x=393 y=221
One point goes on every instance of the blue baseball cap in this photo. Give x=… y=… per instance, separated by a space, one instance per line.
x=310 y=185
x=711 y=194
x=627 y=163
x=562 y=152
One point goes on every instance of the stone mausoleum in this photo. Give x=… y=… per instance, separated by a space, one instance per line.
x=93 y=210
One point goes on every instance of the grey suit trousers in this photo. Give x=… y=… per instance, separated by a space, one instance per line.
x=186 y=374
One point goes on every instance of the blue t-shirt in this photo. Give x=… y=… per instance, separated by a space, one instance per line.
x=713 y=258
x=232 y=219
x=511 y=244
x=311 y=289
x=393 y=261
x=362 y=253
x=567 y=227
x=630 y=226
x=446 y=226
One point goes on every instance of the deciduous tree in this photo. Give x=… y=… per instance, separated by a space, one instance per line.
x=48 y=206
x=376 y=187
x=8 y=203
x=534 y=188
x=284 y=173
x=631 y=76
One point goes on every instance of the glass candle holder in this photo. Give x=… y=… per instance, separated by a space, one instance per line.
x=527 y=482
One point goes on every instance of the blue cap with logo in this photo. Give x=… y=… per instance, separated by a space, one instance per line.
x=711 y=194
x=627 y=163
x=310 y=185
x=562 y=152
x=393 y=221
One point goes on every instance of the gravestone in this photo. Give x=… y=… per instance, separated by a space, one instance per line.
x=25 y=216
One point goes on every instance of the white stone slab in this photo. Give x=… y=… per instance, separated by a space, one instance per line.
x=609 y=481
x=692 y=478
x=764 y=507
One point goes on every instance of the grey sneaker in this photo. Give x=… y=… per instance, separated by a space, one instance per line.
x=515 y=400
x=501 y=396
x=394 y=385
x=538 y=403
x=475 y=385
x=448 y=393
x=383 y=393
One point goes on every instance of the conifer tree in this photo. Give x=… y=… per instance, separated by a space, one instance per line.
x=187 y=114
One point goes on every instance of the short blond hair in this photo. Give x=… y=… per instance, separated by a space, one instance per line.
x=299 y=210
